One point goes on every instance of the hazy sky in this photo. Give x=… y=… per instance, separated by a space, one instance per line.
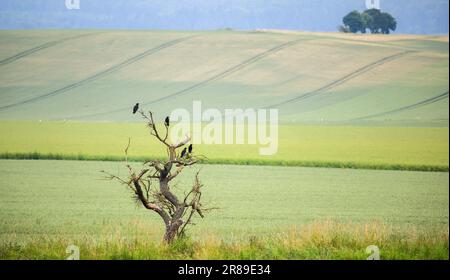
x=414 y=16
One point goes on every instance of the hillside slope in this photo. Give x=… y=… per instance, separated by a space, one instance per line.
x=309 y=77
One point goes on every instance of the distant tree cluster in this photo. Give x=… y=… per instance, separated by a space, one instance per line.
x=374 y=20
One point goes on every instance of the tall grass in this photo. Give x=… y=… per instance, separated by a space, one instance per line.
x=257 y=162
x=324 y=240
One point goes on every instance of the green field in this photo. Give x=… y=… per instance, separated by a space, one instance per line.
x=370 y=110
x=67 y=200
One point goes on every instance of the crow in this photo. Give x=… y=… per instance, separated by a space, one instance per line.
x=183 y=153
x=135 y=108
x=190 y=149
x=167 y=121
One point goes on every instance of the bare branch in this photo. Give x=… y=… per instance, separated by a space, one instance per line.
x=110 y=176
x=149 y=205
x=175 y=174
x=188 y=221
x=126 y=150
x=182 y=142
x=154 y=130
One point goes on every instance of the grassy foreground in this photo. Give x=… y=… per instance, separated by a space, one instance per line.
x=391 y=148
x=317 y=241
x=265 y=212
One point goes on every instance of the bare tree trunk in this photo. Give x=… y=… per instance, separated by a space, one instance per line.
x=172 y=231
x=175 y=221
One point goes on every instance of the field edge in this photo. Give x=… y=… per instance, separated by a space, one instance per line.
x=251 y=162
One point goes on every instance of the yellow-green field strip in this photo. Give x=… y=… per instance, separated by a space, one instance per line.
x=382 y=148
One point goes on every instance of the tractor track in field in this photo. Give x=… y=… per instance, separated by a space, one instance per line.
x=428 y=101
x=216 y=77
x=229 y=71
x=41 y=47
x=342 y=80
x=100 y=74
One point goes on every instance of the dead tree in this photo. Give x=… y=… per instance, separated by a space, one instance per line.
x=175 y=212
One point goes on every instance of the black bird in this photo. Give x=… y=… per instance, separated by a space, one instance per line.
x=135 y=108
x=183 y=153
x=167 y=121
x=190 y=148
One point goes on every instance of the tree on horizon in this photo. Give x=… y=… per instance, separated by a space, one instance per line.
x=373 y=19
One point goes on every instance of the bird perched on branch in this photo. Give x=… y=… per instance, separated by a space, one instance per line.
x=183 y=153
x=167 y=121
x=135 y=108
x=190 y=149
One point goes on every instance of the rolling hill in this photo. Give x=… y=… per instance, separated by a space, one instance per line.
x=312 y=78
